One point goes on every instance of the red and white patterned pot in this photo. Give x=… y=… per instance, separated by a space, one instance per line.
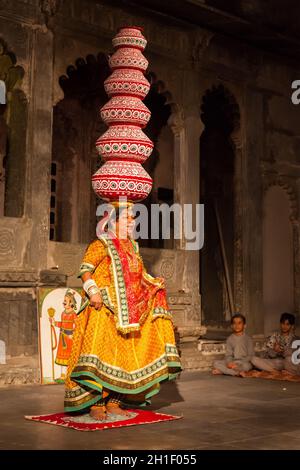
x=124 y=142
x=127 y=82
x=119 y=178
x=130 y=36
x=128 y=57
x=125 y=110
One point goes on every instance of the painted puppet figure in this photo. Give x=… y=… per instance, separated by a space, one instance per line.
x=66 y=327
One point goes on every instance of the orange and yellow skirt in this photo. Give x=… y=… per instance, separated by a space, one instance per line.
x=103 y=360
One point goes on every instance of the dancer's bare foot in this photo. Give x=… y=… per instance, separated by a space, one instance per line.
x=115 y=409
x=216 y=372
x=98 y=413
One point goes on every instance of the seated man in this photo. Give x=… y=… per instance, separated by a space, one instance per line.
x=279 y=347
x=239 y=350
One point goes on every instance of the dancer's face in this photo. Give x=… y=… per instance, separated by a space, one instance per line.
x=125 y=224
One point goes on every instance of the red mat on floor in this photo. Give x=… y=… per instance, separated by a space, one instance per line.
x=86 y=423
x=278 y=375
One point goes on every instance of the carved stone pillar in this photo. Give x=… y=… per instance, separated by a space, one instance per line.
x=39 y=145
x=189 y=181
x=187 y=129
x=251 y=200
x=176 y=123
x=238 y=284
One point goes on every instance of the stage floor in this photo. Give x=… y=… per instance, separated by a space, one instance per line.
x=219 y=413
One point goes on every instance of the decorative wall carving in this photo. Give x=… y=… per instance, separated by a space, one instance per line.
x=7 y=247
x=176 y=120
x=208 y=347
x=14 y=240
x=179 y=299
x=167 y=268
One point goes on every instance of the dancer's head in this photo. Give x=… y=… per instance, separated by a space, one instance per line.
x=123 y=223
x=118 y=218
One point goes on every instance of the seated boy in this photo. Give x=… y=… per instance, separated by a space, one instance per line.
x=239 y=350
x=279 y=348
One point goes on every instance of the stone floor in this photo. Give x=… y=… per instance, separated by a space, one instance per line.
x=218 y=413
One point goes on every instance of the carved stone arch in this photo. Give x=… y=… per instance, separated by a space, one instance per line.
x=162 y=88
x=13 y=128
x=290 y=190
x=220 y=114
x=275 y=180
x=225 y=103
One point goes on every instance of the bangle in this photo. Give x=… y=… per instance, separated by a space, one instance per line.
x=91 y=288
x=93 y=291
x=87 y=284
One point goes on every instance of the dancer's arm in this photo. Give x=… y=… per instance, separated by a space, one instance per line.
x=93 y=256
x=95 y=299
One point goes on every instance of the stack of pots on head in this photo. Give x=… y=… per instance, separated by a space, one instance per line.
x=124 y=146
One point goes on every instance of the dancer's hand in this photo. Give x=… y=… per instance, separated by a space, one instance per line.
x=96 y=301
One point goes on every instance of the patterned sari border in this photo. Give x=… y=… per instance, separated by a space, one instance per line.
x=79 y=407
x=106 y=297
x=120 y=289
x=121 y=386
x=92 y=363
x=87 y=403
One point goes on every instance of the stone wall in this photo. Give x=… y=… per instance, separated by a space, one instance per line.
x=18 y=320
x=19 y=336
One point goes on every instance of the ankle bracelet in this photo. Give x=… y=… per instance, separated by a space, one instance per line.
x=114 y=404
x=114 y=401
